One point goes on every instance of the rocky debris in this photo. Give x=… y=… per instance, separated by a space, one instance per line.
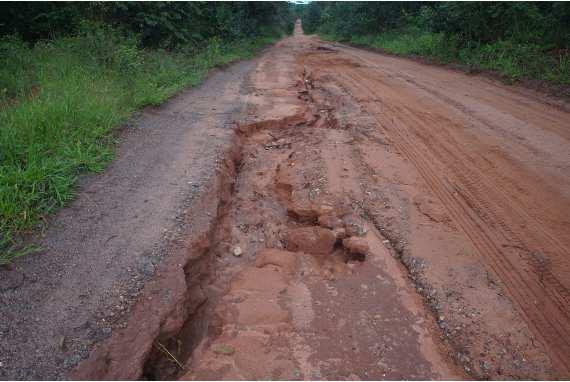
x=237 y=251
x=316 y=240
x=356 y=245
x=285 y=260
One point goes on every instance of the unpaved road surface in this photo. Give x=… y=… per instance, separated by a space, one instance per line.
x=100 y=251
x=366 y=217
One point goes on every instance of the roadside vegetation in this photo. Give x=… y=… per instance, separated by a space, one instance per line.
x=518 y=40
x=71 y=73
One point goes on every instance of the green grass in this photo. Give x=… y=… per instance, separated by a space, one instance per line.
x=511 y=59
x=60 y=101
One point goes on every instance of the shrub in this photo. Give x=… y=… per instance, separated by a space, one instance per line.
x=17 y=74
x=87 y=85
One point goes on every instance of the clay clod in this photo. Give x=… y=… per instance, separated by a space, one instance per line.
x=304 y=212
x=340 y=233
x=285 y=260
x=356 y=245
x=330 y=220
x=224 y=349
x=316 y=240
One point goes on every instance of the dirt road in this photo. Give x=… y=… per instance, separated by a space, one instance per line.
x=103 y=249
x=366 y=217
x=497 y=161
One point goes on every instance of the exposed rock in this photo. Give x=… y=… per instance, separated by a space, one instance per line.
x=316 y=240
x=326 y=209
x=278 y=144
x=237 y=251
x=310 y=117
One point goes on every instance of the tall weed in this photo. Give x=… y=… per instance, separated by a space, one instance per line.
x=17 y=68
x=512 y=59
x=60 y=99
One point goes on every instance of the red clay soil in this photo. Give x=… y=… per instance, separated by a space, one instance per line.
x=494 y=168
x=372 y=218
x=314 y=292
x=465 y=180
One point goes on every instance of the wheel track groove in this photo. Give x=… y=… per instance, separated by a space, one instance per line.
x=477 y=208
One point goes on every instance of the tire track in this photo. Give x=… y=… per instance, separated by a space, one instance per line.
x=481 y=205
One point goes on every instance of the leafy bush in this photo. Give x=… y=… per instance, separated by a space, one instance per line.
x=159 y=24
x=71 y=72
x=518 y=39
x=17 y=76
x=87 y=85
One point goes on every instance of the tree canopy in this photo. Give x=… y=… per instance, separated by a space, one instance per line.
x=159 y=24
x=546 y=23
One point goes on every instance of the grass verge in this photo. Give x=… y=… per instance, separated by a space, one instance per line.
x=61 y=99
x=513 y=61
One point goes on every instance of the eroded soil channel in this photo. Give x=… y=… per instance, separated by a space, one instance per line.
x=304 y=285
x=363 y=229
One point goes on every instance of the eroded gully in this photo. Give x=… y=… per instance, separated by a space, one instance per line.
x=335 y=252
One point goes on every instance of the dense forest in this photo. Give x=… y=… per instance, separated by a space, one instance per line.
x=517 y=39
x=71 y=72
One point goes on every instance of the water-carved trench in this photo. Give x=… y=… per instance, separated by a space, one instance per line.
x=291 y=246
x=289 y=280
x=276 y=213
